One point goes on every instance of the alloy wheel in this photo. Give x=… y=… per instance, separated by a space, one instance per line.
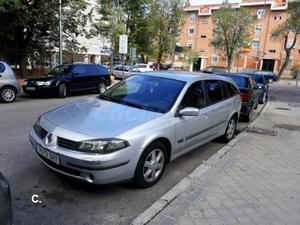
x=231 y=129
x=154 y=165
x=8 y=95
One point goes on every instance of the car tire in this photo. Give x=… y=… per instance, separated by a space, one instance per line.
x=263 y=99
x=151 y=165
x=256 y=104
x=248 y=117
x=8 y=95
x=101 y=87
x=62 y=91
x=230 y=130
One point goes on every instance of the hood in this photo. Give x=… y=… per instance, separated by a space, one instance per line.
x=99 y=118
x=44 y=78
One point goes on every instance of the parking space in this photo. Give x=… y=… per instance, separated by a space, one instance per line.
x=64 y=201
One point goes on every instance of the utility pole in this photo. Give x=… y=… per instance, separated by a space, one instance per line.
x=60 y=35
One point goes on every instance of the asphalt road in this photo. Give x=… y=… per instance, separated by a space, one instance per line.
x=64 y=201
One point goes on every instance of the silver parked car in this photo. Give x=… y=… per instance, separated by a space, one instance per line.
x=128 y=71
x=9 y=87
x=132 y=130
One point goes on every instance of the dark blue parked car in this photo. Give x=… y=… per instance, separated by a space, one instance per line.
x=269 y=75
x=263 y=86
x=5 y=202
x=249 y=93
x=65 y=79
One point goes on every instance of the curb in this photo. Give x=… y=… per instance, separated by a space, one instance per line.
x=183 y=185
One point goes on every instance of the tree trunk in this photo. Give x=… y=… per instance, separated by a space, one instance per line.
x=159 y=57
x=285 y=64
x=143 y=58
x=22 y=63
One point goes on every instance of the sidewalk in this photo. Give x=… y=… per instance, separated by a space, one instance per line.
x=253 y=180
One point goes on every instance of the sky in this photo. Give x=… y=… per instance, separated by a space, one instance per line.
x=197 y=2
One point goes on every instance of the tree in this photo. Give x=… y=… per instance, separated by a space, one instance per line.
x=232 y=32
x=289 y=29
x=166 y=18
x=28 y=26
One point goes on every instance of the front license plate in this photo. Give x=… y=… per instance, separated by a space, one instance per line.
x=30 y=88
x=47 y=154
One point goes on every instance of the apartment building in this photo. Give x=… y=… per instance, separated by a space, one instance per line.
x=262 y=53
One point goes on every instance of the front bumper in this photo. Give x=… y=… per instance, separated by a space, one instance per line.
x=39 y=90
x=92 y=168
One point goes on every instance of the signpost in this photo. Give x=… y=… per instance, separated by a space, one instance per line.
x=123 y=48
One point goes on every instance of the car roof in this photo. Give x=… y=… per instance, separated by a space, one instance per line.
x=185 y=76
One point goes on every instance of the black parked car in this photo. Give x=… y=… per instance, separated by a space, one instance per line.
x=249 y=93
x=263 y=86
x=214 y=69
x=5 y=202
x=269 y=75
x=64 y=79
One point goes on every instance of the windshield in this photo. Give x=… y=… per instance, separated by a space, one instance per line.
x=145 y=92
x=60 y=70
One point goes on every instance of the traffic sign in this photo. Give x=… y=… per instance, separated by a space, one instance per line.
x=123 y=44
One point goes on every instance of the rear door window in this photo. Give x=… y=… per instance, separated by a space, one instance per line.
x=214 y=91
x=2 y=68
x=226 y=89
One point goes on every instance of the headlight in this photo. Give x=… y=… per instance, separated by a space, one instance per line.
x=25 y=82
x=103 y=146
x=260 y=87
x=43 y=83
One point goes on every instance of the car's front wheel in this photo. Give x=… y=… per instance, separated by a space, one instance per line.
x=101 y=87
x=8 y=95
x=62 y=91
x=151 y=165
x=263 y=100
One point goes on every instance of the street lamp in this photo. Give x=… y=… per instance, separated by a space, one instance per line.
x=60 y=34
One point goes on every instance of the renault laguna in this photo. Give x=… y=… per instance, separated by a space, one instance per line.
x=131 y=131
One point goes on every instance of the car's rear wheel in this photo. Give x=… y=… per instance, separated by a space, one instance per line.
x=248 y=117
x=151 y=165
x=8 y=95
x=62 y=91
x=101 y=87
x=230 y=130
x=263 y=100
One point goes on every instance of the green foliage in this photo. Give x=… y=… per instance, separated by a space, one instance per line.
x=166 y=18
x=232 y=32
x=30 y=25
x=291 y=27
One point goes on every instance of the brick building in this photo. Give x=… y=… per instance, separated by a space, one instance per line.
x=263 y=53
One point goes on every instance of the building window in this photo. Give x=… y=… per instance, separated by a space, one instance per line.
x=290 y=62
x=260 y=13
x=204 y=22
x=203 y=36
x=191 y=31
x=258 y=28
x=272 y=50
x=277 y=18
x=214 y=60
x=289 y=44
x=193 y=17
x=189 y=44
x=255 y=43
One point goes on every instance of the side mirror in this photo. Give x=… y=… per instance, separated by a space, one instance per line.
x=270 y=81
x=189 y=111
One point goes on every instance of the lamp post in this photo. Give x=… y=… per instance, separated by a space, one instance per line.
x=60 y=34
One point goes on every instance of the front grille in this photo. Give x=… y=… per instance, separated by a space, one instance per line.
x=67 y=144
x=41 y=132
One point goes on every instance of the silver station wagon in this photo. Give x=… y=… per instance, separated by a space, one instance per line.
x=131 y=131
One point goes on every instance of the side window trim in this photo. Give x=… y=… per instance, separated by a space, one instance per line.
x=206 y=91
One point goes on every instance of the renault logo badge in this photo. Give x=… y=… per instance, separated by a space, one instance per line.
x=48 y=139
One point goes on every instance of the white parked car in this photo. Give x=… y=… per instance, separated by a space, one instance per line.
x=128 y=71
x=144 y=67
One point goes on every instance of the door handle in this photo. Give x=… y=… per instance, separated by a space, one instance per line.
x=204 y=116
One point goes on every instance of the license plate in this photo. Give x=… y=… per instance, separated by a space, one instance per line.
x=30 y=88
x=47 y=154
